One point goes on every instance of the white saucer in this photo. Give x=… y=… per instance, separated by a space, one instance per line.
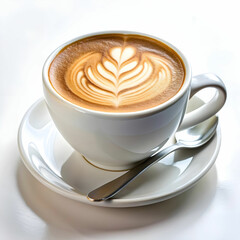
x=54 y=163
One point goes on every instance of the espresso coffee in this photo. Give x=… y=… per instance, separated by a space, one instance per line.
x=117 y=73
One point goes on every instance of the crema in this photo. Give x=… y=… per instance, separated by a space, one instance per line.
x=117 y=73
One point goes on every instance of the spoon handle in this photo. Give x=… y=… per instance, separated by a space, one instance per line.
x=109 y=189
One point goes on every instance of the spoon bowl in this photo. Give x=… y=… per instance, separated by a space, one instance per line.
x=198 y=135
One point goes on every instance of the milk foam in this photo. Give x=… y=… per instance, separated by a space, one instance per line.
x=121 y=77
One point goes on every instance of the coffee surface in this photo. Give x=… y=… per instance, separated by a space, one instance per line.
x=117 y=73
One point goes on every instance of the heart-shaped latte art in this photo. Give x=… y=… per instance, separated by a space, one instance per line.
x=122 y=76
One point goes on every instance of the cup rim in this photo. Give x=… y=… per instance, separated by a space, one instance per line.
x=140 y=113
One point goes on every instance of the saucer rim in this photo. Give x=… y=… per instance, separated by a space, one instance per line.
x=115 y=202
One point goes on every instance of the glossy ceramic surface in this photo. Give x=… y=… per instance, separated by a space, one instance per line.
x=54 y=162
x=118 y=141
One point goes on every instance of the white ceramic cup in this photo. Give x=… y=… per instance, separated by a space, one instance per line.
x=118 y=141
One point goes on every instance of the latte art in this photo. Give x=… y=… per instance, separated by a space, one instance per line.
x=117 y=73
x=121 y=77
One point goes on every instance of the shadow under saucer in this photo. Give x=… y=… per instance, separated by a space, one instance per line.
x=79 y=218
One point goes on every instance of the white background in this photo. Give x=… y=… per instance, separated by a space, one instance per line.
x=206 y=31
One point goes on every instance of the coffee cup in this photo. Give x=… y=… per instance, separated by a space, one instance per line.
x=117 y=97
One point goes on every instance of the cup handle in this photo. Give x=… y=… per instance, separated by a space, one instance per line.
x=210 y=108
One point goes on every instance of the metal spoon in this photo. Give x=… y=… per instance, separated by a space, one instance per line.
x=193 y=137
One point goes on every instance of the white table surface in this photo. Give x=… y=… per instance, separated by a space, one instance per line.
x=206 y=31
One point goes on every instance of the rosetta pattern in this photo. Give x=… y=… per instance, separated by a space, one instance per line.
x=121 y=77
